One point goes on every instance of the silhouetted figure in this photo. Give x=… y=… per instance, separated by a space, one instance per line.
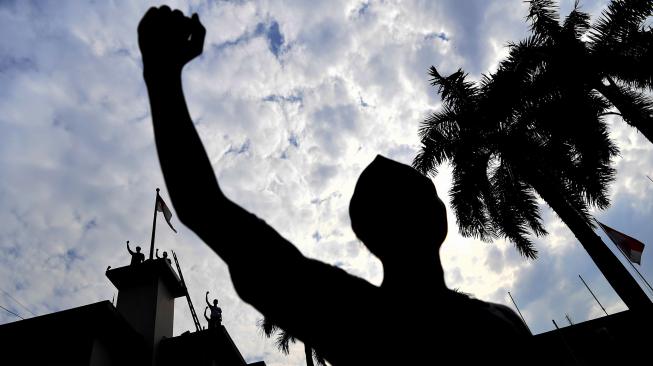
x=137 y=257
x=395 y=211
x=216 y=313
x=165 y=255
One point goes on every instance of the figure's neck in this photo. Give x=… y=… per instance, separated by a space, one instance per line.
x=425 y=276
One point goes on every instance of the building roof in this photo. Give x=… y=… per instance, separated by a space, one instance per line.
x=620 y=338
x=70 y=335
x=202 y=348
x=125 y=276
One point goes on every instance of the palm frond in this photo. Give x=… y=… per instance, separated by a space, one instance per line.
x=544 y=18
x=438 y=134
x=319 y=360
x=467 y=193
x=267 y=326
x=283 y=341
x=518 y=214
x=630 y=60
x=454 y=89
x=577 y=22
x=621 y=18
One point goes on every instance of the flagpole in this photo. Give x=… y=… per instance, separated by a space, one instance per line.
x=642 y=277
x=154 y=225
x=562 y=338
x=597 y=300
x=625 y=256
x=522 y=317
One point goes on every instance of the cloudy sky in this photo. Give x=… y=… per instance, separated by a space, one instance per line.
x=292 y=100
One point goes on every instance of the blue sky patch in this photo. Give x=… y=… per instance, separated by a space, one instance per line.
x=242 y=149
x=293 y=140
x=275 y=38
x=442 y=36
x=270 y=31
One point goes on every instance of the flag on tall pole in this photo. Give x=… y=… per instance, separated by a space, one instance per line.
x=159 y=206
x=162 y=207
x=631 y=247
x=623 y=252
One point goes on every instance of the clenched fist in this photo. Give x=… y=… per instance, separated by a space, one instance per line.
x=168 y=39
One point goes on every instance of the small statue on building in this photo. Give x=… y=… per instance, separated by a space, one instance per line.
x=216 y=313
x=137 y=257
x=165 y=256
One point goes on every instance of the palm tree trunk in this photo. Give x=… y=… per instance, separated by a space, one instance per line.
x=642 y=122
x=308 y=351
x=621 y=281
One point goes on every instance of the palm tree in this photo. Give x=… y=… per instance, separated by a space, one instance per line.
x=611 y=56
x=537 y=125
x=284 y=339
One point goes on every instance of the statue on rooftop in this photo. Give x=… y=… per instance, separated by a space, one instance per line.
x=215 y=320
x=137 y=256
x=165 y=256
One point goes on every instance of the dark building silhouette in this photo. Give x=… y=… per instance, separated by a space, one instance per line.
x=617 y=339
x=137 y=331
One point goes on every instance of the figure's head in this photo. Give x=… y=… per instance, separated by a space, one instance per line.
x=138 y=249
x=396 y=212
x=165 y=254
x=215 y=302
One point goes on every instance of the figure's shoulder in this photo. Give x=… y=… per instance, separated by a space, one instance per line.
x=508 y=317
x=343 y=282
x=336 y=272
x=494 y=316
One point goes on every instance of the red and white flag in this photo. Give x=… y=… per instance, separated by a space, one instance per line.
x=632 y=247
x=162 y=207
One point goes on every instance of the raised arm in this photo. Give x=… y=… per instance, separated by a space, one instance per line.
x=168 y=40
x=156 y=253
x=268 y=272
x=129 y=250
x=207 y=299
